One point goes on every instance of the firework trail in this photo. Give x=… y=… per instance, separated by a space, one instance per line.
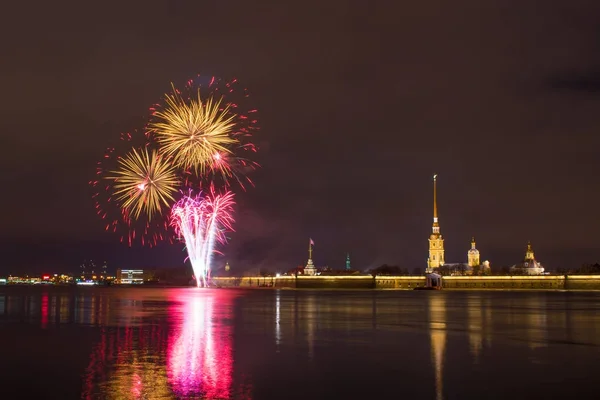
x=206 y=129
x=202 y=222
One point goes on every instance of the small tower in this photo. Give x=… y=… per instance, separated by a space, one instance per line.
x=310 y=267
x=227 y=267
x=348 y=262
x=436 y=242
x=473 y=255
x=529 y=253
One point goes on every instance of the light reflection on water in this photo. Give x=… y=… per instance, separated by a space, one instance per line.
x=200 y=354
x=437 y=329
x=149 y=343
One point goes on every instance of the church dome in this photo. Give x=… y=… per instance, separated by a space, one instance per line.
x=529 y=265
x=473 y=250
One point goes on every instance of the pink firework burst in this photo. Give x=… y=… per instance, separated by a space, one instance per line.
x=202 y=222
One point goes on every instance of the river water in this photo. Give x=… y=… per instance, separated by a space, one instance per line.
x=153 y=343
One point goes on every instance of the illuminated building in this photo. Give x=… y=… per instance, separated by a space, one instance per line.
x=485 y=268
x=473 y=255
x=310 y=268
x=87 y=269
x=130 y=276
x=436 y=241
x=26 y=280
x=436 y=261
x=529 y=266
x=348 y=262
x=473 y=261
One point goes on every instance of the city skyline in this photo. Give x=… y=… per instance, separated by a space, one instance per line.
x=507 y=117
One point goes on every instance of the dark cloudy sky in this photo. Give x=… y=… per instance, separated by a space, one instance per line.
x=360 y=103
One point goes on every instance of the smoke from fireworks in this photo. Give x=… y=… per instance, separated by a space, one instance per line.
x=202 y=222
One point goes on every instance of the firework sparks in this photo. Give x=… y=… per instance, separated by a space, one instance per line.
x=192 y=132
x=202 y=222
x=206 y=130
x=151 y=224
x=144 y=181
x=202 y=141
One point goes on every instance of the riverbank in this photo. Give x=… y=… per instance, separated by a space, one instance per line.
x=546 y=282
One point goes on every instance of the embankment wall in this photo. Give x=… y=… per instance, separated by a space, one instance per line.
x=547 y=282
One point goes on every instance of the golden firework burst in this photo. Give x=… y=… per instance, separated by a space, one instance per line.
x=192 y=132
x=145 y=181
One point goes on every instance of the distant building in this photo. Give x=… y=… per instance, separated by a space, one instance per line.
x=433 y=280
x=436 y=241
x=310 y=268
x=486 y=268
x=473 y=255
x=130 y=276
x=87 y=269
x=348 y=268
x=529 y=265
x=436 y=261
x=455 y=269
x=473 y=261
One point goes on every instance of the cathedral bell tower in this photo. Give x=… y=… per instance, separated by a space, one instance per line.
x=436 y=242
x=529 y=253
x=473 y=255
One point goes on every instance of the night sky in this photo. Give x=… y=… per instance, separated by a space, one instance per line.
x=360 y=104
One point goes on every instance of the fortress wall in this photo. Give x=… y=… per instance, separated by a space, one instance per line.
x=582 y=282
x=399 y=282
x=546 y=282
x=285 y=282
x=246 y=281
x=504 y=282
x=335 y=282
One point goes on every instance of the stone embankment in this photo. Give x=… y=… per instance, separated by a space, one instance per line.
x=547 y=282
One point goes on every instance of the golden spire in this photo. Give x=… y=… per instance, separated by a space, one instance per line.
x=435 y=217
x=436 y=227
x=473 y=242
x=529 y=253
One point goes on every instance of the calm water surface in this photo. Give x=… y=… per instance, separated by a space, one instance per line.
x=147 y=343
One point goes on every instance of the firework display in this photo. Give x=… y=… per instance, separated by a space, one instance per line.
x=144 y=182
x=193 y=131
x=206 y=129
x=133 y=191
x=202 y=222
x=197 y=139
